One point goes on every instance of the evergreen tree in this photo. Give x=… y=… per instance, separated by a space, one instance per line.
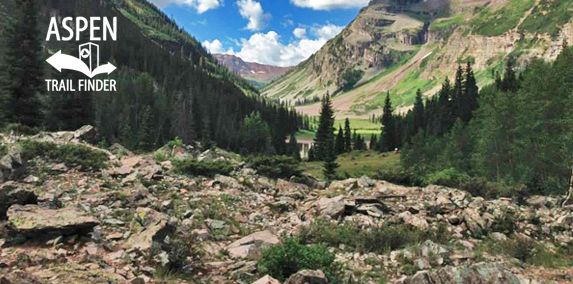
x=445 y=116
x=347 y=136
x=470 y=97
x=311 y=154
x=293 y=147
x=324 y=140
x=389 y=132
x=339 y=144
x=457 y=94
x=23 y=73
x=418 y=112
x=197 y=118
x=373 y=142
x=509 y=82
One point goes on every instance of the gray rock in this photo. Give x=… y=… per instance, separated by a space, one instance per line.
x=33 y=221
x=153 y=227
x=250 y=246
x=12 y=164
x=11 y=194
x=308 y=277
x=481 y=273
x=86 y=133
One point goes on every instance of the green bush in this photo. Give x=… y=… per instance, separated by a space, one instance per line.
x=3 y=150
x=284 y=260
x=479 y=186
x=529 y=251
x=207 y=169
x=397 y=176
x=377 y=240
x=449 y=177
x=21 y=129
x=275 y=166
x=176 y=142
x=70 y=154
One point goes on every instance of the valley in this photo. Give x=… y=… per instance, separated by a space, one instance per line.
x=400 y=49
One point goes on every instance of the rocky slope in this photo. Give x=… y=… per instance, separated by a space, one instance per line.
x=128 y=223
x=403 y=45
x=256 y=72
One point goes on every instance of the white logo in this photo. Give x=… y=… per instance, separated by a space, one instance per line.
x=86 y=52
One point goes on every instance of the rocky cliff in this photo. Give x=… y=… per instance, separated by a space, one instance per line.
x=249 y=70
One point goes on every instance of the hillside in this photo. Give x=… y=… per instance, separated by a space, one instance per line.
x=257 y=74
x=400 y=46
x=168 y=85
x=133 y=218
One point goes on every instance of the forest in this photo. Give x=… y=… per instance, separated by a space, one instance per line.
x=168 y=85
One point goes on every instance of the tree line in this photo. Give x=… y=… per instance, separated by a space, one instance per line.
x=516 y=132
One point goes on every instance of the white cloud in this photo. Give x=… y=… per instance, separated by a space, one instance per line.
x=299 y=32
x=330 y=4
x=216 y=47
x=327 y=31
x=200 y=5
x=266 y=48
x=253 y=11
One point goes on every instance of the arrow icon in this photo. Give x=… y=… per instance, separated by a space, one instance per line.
x=63 y=61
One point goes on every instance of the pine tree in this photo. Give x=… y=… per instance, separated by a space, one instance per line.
x=197 y=118
x=389 y=132
x=470 y=97
x=339 y=144
x=293 y=147
x=23 y=73
x=373 y=142
x=445 y=108
x=457 y=93
x=347 y=136
x=509 y=82
x=324 y=140
x=418 y=112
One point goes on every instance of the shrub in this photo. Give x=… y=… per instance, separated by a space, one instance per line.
x=276 y=166
x=479 y=186
x=377 y=240
x=176 y=142
x=449 y=177
x=21 y=129
x=529 y=252
x=284 y=260
x=208 y=169
x=70 y=154
x=397 y=176
x=3 y=150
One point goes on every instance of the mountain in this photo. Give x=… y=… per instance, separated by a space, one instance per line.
x=398 y=46
x=258 y=74
x=168 y=86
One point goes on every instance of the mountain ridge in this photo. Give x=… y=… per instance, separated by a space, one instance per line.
x=400 y=46
x=251 y=71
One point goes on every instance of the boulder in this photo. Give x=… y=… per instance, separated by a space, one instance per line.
x=118 y=150
x=12 y=165
x=34 y=221
x=481 y=273
x=250 y=246
x=11 y=194
x=346 y=185
x=332 y=207
x=152 y=227
x=267 y=280
x=308 y=277
x=86 y=133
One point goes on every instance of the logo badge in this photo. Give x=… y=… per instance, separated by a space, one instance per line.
x=87 y=63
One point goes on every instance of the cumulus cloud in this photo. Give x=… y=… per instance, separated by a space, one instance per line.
x=330 y=4
x=200 y=5
x=299 y=32
x=253 y=11
x=266 y=48
x=216 y=46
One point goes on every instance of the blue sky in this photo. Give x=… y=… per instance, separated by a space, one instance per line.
x=275 y=32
